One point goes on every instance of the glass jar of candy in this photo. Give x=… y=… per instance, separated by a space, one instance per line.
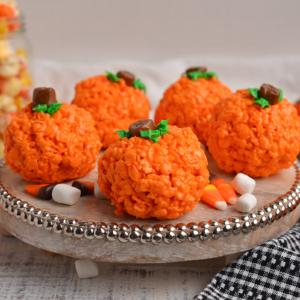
x=15 y=78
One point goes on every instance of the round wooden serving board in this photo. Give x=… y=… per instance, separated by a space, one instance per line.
x=283 y=186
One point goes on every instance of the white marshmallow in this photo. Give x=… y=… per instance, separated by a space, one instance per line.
x=245 y=203
x=243 y=184
x=65 y=194
x=98 y=193
x=86 y=268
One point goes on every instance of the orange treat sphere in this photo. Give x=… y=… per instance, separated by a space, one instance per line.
x=147 y=179
x=47 y=149
x=189 y=103
x=113 y=105
x=244 y=137
x=297 y=105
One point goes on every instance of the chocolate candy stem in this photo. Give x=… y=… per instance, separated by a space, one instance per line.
x=127 y=76
x=193 y=69
x=136 y=128
x=42 y=96
x=270 y=93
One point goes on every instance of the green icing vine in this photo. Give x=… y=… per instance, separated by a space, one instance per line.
x=123 y=133
x=262 y=102
x=112 y=77
x=41 y=108
x=281 y=95
x=253 y=92
x=198 y=74
x=139 y=85
x=51 y=110
x=163 y=127
x=153 y=135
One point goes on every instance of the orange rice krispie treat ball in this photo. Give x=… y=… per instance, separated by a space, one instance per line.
x=189 y=101
x=49 y=142
x=255 y=132
x=297 y=106
x=115 y=101
x=153 y=171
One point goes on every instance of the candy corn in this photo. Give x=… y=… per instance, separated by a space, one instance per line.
x=212 y=196
x=43 y=191
x=224 y=188
x=86 y=187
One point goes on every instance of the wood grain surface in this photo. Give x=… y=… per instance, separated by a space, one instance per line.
x=29 y=273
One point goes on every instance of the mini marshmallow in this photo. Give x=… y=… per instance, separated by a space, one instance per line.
x=86 y=268
x=245 y=203
x=65 y=194
x=243 y=184
x=98 y=193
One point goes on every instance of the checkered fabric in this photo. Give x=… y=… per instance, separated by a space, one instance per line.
x=268 y=272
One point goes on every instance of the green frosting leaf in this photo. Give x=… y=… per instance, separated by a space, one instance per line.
x=41 y=108
x=151 y=135
x=123 y=133
x=198 y=74
x=208 y=75
x=262 y=102
x=112 y=77
x=281 y=95
x=139 y=85
x=53 y=108
x=163 y=127
x=253 y=92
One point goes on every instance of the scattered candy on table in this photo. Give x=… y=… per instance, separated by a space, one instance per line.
x=254 y=131
x=65 y=194
x=212 y=197
x=85 y=187
x=157 y=173
x=98 y=194
x=245 y=203
x=243 y=184
x=86 y=268
x=43 y=191
x=189 y=102
x=114 y=100
x=224 y=188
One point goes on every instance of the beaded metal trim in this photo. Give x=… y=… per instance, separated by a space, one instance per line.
x=157 y=234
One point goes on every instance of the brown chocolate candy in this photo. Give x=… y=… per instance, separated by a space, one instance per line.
x=85 y=187
x=45 y=193
x=136 y=128
x=193 y=69
x=43 y=96
x=270 y=93
x=127 y=76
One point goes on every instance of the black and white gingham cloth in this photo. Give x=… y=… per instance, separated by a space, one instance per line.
x=268 y=272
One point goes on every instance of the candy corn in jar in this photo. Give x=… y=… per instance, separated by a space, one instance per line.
x=15 y=78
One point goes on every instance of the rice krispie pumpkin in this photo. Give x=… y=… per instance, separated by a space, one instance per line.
x=153 y=171
x=189 y=101
x=114 y=101
x=49 y=142
x=255 y=132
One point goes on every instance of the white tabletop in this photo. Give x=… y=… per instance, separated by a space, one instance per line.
x=33 y=274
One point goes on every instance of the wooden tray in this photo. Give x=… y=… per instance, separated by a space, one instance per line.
x=91 y=230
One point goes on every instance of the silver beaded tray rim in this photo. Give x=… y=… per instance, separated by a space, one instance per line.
x=180 y=233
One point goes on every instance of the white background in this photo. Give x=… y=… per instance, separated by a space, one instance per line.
x=246 y=42
x=151 y=30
